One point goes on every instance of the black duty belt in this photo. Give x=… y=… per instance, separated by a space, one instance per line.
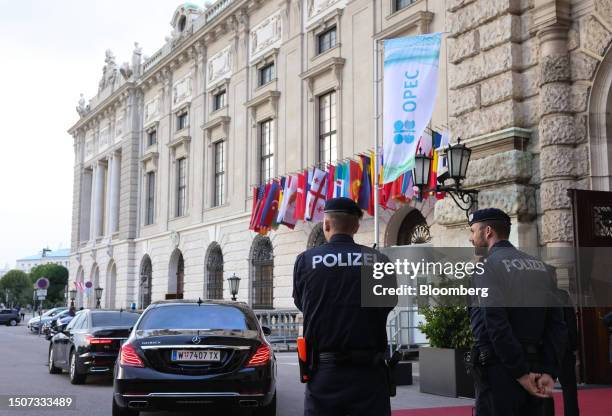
x=352 y=357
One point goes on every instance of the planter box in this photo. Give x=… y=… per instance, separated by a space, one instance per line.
x=442 y=372
x=402 y=373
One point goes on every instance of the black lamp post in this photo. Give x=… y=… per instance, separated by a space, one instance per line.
x=234 y=282
x=73 y=293
x=458 y=157
x=98 y=296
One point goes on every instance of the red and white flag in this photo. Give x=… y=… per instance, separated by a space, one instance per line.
x=315 y=201
x=286 y=214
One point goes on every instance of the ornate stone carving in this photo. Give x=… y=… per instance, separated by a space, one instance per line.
x=82 y=108
x=602 y=221
x=119 y=126
x=175 y=239
x=151 y=109
x=109 y=71
x=266 y=36
x=104 y=140
x=219 y=66
x=89 y=145
x=181 y=91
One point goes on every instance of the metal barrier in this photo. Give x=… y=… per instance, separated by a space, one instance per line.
x=285 y=324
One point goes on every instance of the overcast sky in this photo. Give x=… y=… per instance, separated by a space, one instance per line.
x=50 y=52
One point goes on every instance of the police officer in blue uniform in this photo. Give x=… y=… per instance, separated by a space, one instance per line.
x=518 y=332
x=346 y=342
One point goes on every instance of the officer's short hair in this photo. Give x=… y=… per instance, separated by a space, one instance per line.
x=342 y=221
x=501 y=228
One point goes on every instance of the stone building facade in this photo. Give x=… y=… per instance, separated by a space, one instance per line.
x=245 y=90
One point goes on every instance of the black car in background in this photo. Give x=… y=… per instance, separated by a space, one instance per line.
x=194 y=355
x=90 y=343
x=9 y=317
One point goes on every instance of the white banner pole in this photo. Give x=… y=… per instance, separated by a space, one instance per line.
x=375 y=161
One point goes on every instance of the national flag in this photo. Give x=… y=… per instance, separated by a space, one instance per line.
x=374 y=183
x=339 y=180
x=286 y=214
x=270 y=209
x=346 y=180
x=315 y=202
x=355 y=180
x=300 y=200
x=442 y=167
x=366 y=184
x=331 y=181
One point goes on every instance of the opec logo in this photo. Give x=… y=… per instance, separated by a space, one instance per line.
x=403 y=131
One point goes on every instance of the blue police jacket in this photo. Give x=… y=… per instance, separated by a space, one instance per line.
x=327 y=285
x=502 y=324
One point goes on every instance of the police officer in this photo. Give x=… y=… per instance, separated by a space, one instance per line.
x=346 y=342
x=518 y=346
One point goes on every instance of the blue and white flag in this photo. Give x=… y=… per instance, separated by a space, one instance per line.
x=411 y=84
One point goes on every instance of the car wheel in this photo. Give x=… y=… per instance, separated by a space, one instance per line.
x=123 y=411
x=13 y=322
x=269 y=410
x=52 y=368
x=75 y=376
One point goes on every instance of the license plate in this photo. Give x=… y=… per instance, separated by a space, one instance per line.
x=196 y=355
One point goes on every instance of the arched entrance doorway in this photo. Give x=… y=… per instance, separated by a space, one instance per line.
x=262 y=273
x=214 y=272
x=176 y=276
x=146 y=282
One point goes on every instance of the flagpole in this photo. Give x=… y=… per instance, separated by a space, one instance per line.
x=375 y=161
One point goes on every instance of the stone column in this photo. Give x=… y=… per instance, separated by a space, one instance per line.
x=92 y=204
x=98 y=217
x=107 y=195
x=85 y=205
x=557 y=131
x=115 y=176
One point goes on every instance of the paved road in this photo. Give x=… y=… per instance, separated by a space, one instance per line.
x=23 y=370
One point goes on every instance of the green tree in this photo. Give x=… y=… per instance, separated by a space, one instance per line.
x=58 y=279
x=18 y=286
x=447 y=326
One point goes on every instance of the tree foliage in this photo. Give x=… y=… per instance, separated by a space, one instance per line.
x=58 y=279
x=447 y=326
x=18 y=286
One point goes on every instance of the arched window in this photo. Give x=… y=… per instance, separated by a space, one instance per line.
x=414 y=229
x=95 y=280
x=317 y=236
x=111 y=284
x=214 y=272
x=146 y=280
x=262 y=272
x=81 y=279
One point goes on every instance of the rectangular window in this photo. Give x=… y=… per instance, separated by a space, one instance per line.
x=266 y=140
x=328 y=152
x=181 y=186
x=150 y=208
x=151 y=137
x=400 y=4
x=182 y=121
x=266 y=73
x=219 y=100
x=219 y=173
x=326 y=40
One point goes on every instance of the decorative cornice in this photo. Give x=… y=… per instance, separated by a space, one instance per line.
x=215 y=122
x=267 y=97
x=420 y=20
x=499 y=141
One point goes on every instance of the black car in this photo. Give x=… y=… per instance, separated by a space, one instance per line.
x=9 y=317
x=90 y=343
x=194 y=355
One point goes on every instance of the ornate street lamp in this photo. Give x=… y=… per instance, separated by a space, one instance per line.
x=458 y=157
x=98 y=291
x=234 y=283
x=73 y=294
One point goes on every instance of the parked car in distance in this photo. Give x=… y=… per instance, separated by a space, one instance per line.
x=90 y=343
x=49 y=323
x=58 y=324
x=9 y=317
x=36 y=321
x=209 y=356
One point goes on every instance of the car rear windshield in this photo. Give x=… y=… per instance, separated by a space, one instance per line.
x=196 y=317
x=99 y=319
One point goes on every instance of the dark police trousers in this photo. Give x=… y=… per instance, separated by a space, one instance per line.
x=347 y=390
x=498 y=394
x=567 y=378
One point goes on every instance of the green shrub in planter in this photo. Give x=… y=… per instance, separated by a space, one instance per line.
x=447 y=326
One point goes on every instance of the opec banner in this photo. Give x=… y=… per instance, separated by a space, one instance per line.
x=411 y=85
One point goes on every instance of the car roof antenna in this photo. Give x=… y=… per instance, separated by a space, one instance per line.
x=199 y=301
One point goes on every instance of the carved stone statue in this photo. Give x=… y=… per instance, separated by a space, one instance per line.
x=82 y=108
x=109 y=71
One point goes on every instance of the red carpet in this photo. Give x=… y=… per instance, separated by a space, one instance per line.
x=592 y=402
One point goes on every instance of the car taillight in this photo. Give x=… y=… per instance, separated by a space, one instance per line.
x=128 y=356
x=261 y=356
x=91 y=340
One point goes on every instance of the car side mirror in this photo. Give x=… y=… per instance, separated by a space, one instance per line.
x=266 y=330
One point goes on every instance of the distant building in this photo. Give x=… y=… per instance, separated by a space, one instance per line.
x=4 y=270
x=60 y=256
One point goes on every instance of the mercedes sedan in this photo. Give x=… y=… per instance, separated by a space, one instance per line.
x=195 y=355
x=90 y=343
